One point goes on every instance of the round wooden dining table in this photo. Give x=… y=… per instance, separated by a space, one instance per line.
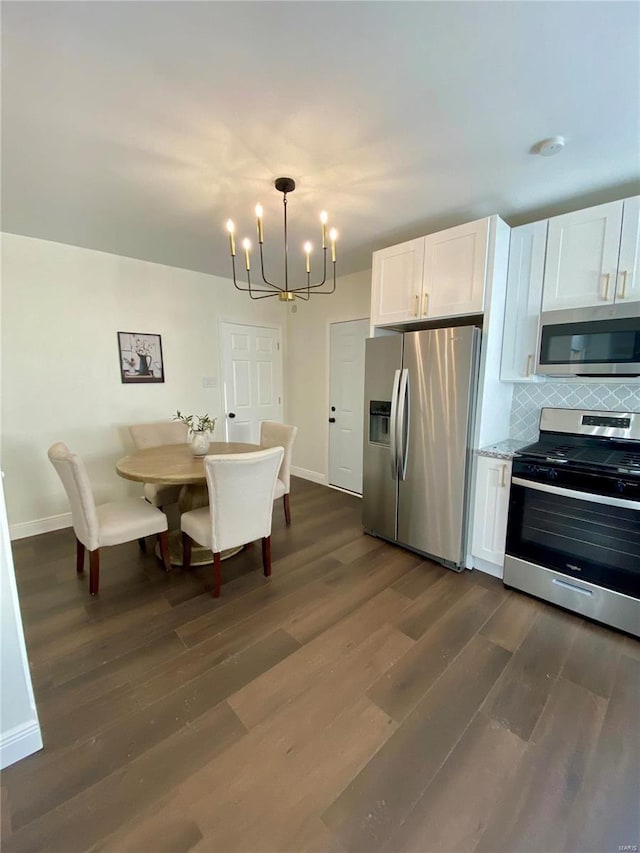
x=174 y=464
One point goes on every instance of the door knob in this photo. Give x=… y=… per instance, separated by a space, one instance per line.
x=231 y=415
x=332 y=420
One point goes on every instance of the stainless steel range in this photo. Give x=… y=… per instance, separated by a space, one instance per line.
x=573 y=533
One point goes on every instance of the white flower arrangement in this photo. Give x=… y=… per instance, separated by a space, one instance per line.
x=196 y=423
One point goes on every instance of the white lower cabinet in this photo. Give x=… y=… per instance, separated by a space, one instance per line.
x=491 y=507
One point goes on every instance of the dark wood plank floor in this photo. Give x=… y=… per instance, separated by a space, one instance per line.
x=363 y=699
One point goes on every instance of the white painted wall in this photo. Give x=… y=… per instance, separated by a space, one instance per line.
x=307 y=371
x=62 y=307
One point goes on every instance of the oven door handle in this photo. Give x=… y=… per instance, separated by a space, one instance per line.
x=581 y=496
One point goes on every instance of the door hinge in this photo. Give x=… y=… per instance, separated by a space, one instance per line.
x=278 y=345
x=279 y=401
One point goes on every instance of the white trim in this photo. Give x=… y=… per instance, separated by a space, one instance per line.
x=306 y=474
x=19 y=742
x=488 y=568
x=39 y=525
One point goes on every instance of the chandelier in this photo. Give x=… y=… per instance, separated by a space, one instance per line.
x=285 y=292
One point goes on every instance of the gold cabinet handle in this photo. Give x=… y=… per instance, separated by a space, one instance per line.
x=607 y=279
x=425 y=304
x=503 y=476
x=623 y=289
x=527 y=371
x=415 y=305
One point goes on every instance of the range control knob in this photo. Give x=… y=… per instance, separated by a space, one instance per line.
x=552 y=474
x=621 y=486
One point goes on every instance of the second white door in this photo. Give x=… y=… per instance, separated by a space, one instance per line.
x=346 y=401
x=252 y=379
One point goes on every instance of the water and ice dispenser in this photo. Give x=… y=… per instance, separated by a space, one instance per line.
x=379 y=419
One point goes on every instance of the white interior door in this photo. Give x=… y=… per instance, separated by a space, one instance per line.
x=346 y=401
x=252 y=379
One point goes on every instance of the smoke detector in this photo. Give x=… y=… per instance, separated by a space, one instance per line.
x=549 y=147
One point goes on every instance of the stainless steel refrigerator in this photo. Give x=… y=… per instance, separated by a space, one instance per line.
x=419 y=402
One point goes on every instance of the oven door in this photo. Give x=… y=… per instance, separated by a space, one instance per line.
x=587 y=537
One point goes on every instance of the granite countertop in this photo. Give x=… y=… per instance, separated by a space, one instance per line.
x=502 y=449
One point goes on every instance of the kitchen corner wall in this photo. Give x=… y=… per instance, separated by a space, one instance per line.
x=529 y=399
x=307 y=370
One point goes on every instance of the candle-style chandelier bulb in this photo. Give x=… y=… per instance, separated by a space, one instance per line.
x=232 y=242
x=284 y=292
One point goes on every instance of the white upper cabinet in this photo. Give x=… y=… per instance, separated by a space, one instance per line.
x=628 y=278
x=455 y=264
x=441 y=275
x=396 y=287
x=524 y=294
x=592 y=257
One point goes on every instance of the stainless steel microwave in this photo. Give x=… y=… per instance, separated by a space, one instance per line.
x=598 y=341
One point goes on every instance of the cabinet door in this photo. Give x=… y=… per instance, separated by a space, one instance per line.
x=455 y=264
x=397 y=282
x=493 y=482
x=628 y=282
x=524 y=294
x=582 y=257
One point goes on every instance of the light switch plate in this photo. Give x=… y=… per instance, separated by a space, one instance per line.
x=209 y=381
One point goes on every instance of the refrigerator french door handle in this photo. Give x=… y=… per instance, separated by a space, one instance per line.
x=393 y=451
x=403 y=417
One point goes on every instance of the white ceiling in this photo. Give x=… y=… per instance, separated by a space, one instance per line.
x=139 y=127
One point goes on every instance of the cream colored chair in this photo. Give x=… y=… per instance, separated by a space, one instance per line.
x=108 y=524
x=154 y=435
x=273 y=434
x=241 y=488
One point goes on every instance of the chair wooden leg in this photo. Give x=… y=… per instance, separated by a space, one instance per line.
x=94 y=571
x=287 y=509
x=266 y=556
x=80 y=549
x=186 y=551
x=216 y=575
x=164 y=550
x=143 y=545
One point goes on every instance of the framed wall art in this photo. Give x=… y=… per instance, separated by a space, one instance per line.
x=140 y=357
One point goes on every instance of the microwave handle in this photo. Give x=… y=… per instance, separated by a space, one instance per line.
x=607 y=500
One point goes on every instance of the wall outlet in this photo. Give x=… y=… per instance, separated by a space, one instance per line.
x=209 y=381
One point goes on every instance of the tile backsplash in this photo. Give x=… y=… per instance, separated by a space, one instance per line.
x=529 y=399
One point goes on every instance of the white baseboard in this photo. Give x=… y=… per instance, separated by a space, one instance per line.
x=39 y=525
x=306 y=474
x=19 y=742
x=487 y=567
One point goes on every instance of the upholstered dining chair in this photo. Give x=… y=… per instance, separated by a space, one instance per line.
x=273 y=434
x=107 y=524
x=156 y=434
x=241 y=488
